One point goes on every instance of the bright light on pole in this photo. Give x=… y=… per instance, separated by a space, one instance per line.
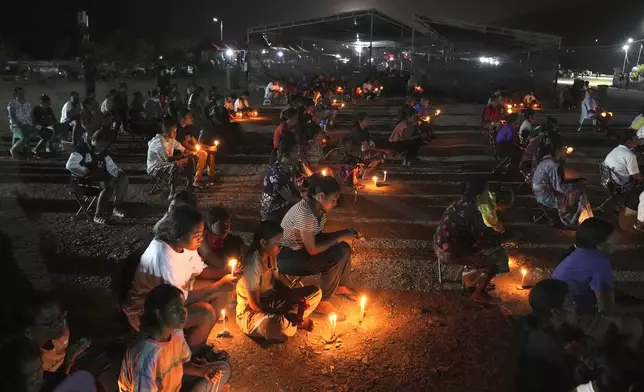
x=280 y=54
x=625 y=48
x=630 y=40
x=229 y=52
x=639 y=54
x=221 y=25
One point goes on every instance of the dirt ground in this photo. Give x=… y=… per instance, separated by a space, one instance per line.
x=415 y=337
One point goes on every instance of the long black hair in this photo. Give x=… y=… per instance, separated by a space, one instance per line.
x=15 y=351
x=216 y=214
x=158 y=299
x=591 y=233
x=359 y=118
x=265 y=231
x=474 y=186
x=176 y=224
x=323 y=184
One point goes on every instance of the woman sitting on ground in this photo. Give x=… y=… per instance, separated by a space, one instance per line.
x=553 y=191
x=405 y=137
x=266 y=307
x=551 y=357
x=280 y=191
x=371 y=155
x=21 y=370
x=306 y=251
x=462 y=238
x=288 y=120
x=160 y=358
x=219 y=246
x=172 y=258
x=313 y=152
x=588 y=272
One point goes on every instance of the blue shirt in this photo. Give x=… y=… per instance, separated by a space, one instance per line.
x=585 y=271
x=505 y=134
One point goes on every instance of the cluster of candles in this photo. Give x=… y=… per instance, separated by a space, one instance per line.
x=198 y=146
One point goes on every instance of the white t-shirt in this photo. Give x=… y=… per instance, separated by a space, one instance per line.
x=107 y=105
x=241 y=104
x=160 y=149
x=525 y=131
x=624 y=164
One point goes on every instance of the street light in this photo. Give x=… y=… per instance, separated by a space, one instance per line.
x=280 y=54
x=221 y=25
x=639 y=54
x=625 y=48
x=630 y=40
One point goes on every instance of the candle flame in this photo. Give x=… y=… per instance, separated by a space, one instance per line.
x=438 y=112
x=216 y=142
x=324 y=172
x=198 y=147
x=427 y=118
x=569 y=150
x=363 y=301
x=232 y=263
x=223 y=314
x=524 y=272
x=375 y=180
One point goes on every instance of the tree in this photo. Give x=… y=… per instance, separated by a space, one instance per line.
x=638 y=73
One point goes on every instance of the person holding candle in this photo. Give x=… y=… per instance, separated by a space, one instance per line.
x=306 y=251
x=405 y=137
x=280 y=191
x=266 y=308
x=371 y=155
x=219 y=245
x=172 y=258
x=313 y=151
x=589 y=275
x=288 y=120
x=160 y=358
x=187 y=133
x=462 y=238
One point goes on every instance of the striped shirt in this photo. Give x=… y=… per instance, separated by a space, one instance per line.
x=312 y=154
x=300 y=217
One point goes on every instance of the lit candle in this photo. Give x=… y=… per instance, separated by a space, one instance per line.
x=363 y=302
x=197 y=147
x=569 y=150
x=384 y=179
x=324 y=172
x=233 y=264
x=438 y=112
x=332 y=320
x=523 y=274
x=223 y=319
x=355 y=196
x=216 y=143
x=375 y=181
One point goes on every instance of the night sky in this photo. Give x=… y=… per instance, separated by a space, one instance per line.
x=161 y=20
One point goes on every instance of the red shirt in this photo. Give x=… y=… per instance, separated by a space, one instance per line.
x=214 y=242
x=491 y=114
x=278 y=131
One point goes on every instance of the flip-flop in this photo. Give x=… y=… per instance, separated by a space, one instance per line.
x=100 y=220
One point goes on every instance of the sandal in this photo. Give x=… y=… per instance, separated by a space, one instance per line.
x=118 y=213
x=100 y=220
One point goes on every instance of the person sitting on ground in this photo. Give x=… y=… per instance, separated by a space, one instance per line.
x=46 y=124
x=304 y=118
x=638 y=123
x=187 y=133
x=462 y=238
x=589 y=108
x=625 y=171
x=306 y=251
x=405 y=137
x=219 y=245
x=21 y=369
x=241 y=104
x=371 y=155
x=183 y=198
x=490 y=206
x=20 y=113
x=527 y=126
x=313 y=152
x=230 y=103
x=71 y=110
x=549 y=348
x=176 y=105
x=325 y=109
x=160 y=358
x=152 y=106
x=495 y=94
x=529 y=100
x=44 y=321
x=161 y=158
x=173 y=258
x=288 y=121
x=91 y=163
x=492 y=113
x=507 y=142
x=553 y=191
x=91 y=120
x=539 y=146
x=280 y=191
x=410 y=102
x=587 y=271
x=108 y=105
x=272 y=90
x=266 y=307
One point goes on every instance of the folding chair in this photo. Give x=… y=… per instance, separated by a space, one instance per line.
x=293 y=280
x=545 y=213
x=441 y=271
x=502 y=163
x=85 y=195
x=164 y=177
x=613 y=190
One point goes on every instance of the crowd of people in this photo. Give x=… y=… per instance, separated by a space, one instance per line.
x=183 y=279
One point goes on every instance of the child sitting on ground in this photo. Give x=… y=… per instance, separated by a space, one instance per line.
x=219 y=245
x=160 y=359
x=266 y=308
x=183 y=198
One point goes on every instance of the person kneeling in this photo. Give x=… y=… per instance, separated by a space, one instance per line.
x=90 y=163
x=405 y=138
x=266 y=307
x=160 y=359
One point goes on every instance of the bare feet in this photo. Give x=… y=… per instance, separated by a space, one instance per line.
x=485 y=298
x=326 y=308
x=347 y=292
x=307 y=325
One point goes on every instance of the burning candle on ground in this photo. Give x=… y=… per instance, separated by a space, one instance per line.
x=384 y=178
x=355 y=196
x=363 y=302
x=325 y=172
x=524 y=272
x=569 y=150
x=223 y=319
x=333 y=318
x=375 y=180
x=232 y=263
